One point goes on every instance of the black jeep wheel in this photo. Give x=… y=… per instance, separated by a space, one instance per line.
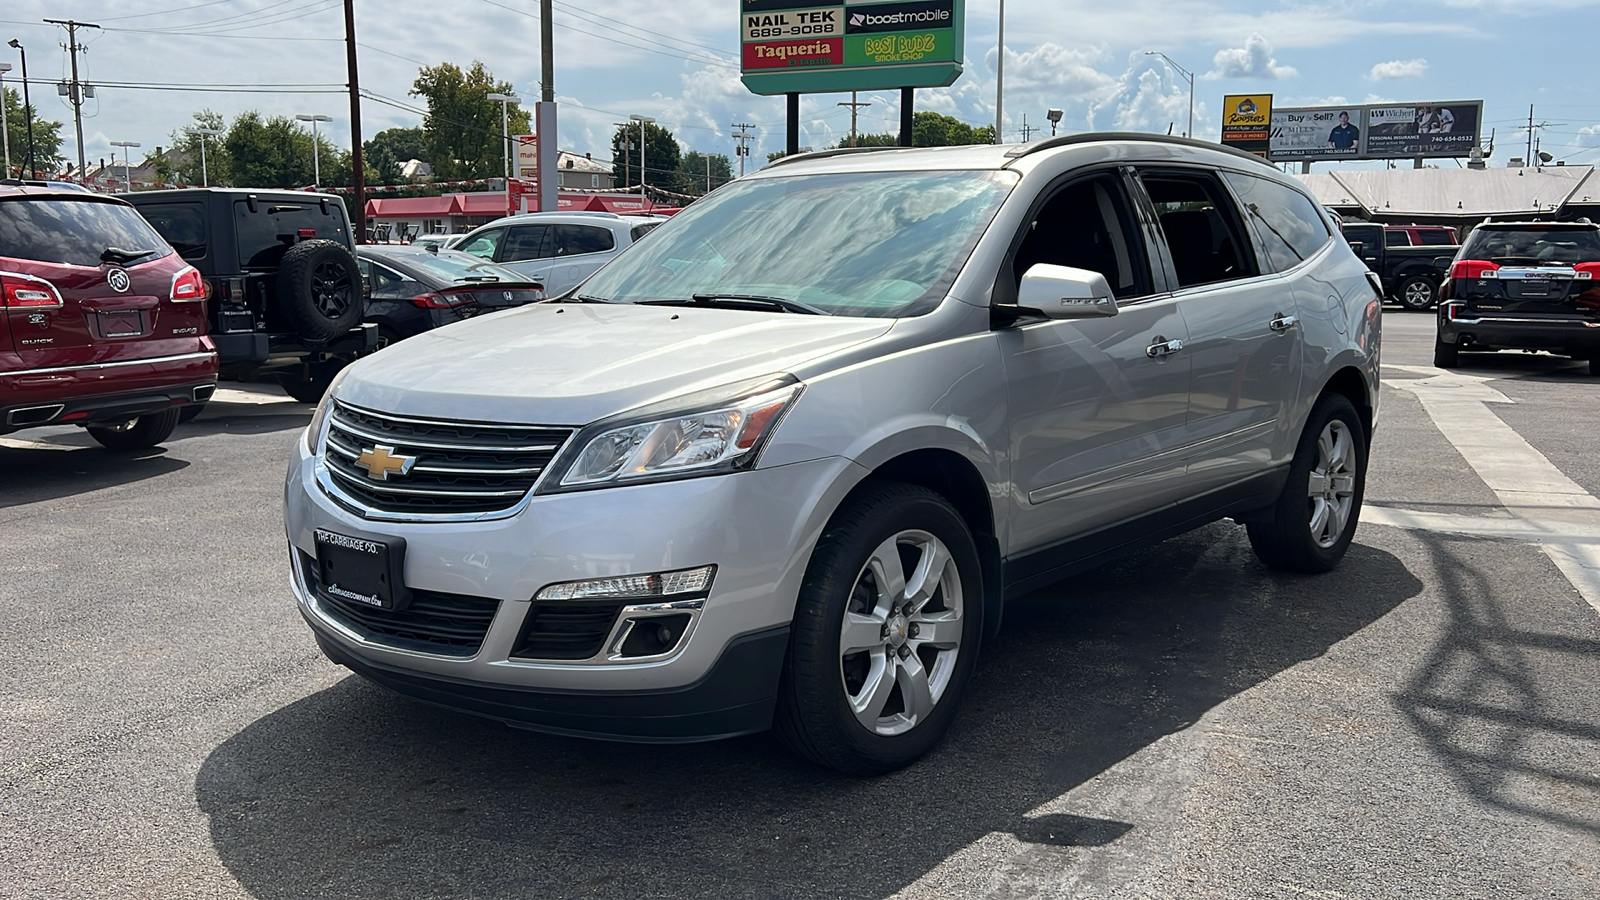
x=319 y=289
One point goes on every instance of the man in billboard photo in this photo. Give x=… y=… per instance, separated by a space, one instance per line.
x=1344 y=137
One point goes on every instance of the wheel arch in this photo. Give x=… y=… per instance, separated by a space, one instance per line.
x=1349 y=382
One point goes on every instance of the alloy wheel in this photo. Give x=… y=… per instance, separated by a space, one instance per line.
x=1331 y=486
x=330 y=286
x=901 y=632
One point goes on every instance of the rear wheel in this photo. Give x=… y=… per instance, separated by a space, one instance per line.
x=136 y=434
x=190 y=413
x=1417 y=293
x=885 y=633
x=1445 y=356
x=1316 y=515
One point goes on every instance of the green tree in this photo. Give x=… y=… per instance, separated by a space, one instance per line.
x=46 y=137
x=389 y=150
x=661 y=157
x=871 y=140
x=929 y=129
x=461 y=132
x=182 y=165
x=692 y=171
x=276 y=153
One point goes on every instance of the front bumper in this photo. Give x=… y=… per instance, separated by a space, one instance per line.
x=757 y=527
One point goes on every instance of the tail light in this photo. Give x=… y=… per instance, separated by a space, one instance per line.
x=1474 y=268
x=447 y=299
x=305 y=233
x=1587 y=271
x=27 y=292
x=188 y=286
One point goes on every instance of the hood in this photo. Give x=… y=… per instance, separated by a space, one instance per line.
x=575 y=363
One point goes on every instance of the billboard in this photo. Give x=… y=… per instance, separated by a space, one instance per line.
x=1376 y=131
x=814 y=46
x=1245 y=122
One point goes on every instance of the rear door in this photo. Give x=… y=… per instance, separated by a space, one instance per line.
x=580 y=251
x=88 y=281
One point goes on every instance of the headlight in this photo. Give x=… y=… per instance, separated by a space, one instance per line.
x=702 y=438
x=320 y=417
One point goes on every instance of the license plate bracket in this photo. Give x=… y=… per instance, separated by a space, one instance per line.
x=122 y=323
x=362 y=569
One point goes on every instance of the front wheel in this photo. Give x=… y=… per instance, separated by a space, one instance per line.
x=1417 y=294
x=885 y=635
x=137 y=434
x=1315 y=517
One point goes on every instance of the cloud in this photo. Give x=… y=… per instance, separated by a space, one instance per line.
x=1398 y=68
x=1253 y=60
x=1148 y=97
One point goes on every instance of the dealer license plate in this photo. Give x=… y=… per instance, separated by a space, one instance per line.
x=358 y=570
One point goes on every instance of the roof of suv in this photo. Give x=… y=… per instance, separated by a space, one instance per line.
x=1533 y=224
x=989 y=156
x=174 y=193
x=574 y=218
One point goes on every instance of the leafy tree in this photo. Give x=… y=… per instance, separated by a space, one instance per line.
x=182 y=166
x=662 y=157
x=929 y=129
x=47 y=156
x=276 y=153
x=692 y=171
x=461 y=132
x=871 y=140
x=406 y=144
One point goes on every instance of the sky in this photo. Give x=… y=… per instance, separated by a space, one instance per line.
x=677 y=61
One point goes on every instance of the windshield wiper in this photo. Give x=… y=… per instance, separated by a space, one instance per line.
x=123 y=257
x=742 y=301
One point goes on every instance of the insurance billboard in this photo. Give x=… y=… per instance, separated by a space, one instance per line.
x=1376 y=131
x=814 y=46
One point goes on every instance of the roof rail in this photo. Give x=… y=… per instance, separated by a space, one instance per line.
x=824 y=154
x=1094 y=137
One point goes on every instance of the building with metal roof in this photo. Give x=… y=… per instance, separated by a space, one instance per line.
x=1459 y=197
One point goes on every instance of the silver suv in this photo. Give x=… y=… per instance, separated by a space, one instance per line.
x=558 y=250
x=781 y=465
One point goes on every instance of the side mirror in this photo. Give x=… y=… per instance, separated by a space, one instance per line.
x=1063 y=292
x=1444 y=262
x=1359 y=247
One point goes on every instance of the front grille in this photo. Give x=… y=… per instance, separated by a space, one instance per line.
x=567 y=629
x=459 y=467
x=447 y=624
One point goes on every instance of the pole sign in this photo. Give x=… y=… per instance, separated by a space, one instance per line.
x=813 y=46
x=527 y=163
x=1376 y=131
x=1245 y=122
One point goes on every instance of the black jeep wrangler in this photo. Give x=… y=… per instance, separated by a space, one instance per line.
x=285 y=293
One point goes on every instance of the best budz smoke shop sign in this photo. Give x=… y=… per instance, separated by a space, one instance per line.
x=809 y=47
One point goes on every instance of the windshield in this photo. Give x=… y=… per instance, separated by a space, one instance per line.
x=448 y=265
x=875 y=244
x=1550 y=246
x=75 y=232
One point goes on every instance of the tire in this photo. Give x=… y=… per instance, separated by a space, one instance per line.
x=1292 y=539
x=310 y=385
x=1445 y=356
x=190 y=413
x=388 y=337
x=919 y=662
x=138 y=434
x=319 y=289
x=1594 y=366
x=1417 y=293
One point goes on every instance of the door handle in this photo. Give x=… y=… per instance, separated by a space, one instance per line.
x=1162 y=348
x=1283 y=323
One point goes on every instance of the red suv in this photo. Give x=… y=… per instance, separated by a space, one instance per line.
x=102 y=325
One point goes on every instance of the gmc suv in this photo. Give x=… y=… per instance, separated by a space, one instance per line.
x=1523 y=286
x=286 y=293
x=102 y=325
x=781 y=464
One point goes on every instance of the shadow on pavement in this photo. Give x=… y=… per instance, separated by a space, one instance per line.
x=353 y=792
x=81 y=466
x=1525 y=367
x=1512 y=740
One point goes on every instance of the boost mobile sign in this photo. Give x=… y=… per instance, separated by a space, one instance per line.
x=813 y=46
x=1376 y=131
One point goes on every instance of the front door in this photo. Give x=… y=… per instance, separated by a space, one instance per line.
x=1097 y=416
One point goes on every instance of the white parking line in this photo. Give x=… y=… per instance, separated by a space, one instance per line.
x=1550 y=508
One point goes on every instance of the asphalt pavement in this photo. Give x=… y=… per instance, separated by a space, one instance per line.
x=1423 y=722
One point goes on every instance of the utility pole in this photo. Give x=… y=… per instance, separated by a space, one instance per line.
x=743 y=136
x=854 y=106
x=357 y=163
x=5 y=130
x=626 y=146
x=544 y=113
x=1027 y=130
x=76 y=90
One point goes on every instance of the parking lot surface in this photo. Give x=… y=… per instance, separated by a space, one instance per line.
x=1422 y=722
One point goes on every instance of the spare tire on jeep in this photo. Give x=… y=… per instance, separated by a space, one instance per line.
x=319 y=289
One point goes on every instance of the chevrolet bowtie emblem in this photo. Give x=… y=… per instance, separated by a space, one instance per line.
x=380 y=462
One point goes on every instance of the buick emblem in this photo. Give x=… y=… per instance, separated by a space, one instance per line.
x=118 y=279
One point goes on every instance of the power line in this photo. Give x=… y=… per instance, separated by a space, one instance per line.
x=713 y=61
x=165 y=12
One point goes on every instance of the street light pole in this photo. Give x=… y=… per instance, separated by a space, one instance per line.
x=505 y=101
x=316 y=148
x=27 y=104
x=1186 y=74
x=127 y=170
x=643 y=121
x=5 y=127
x=205 y=180
x=1000 y=79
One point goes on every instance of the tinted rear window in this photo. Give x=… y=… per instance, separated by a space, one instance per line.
x=572 y=240
x=640 y=231
x=275 y=226
x=1534 y=245
x=182 y=224
x=74 y=232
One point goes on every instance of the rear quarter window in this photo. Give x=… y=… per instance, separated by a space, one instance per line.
x=1286 y=222
x=573 y=240
x=182 y=224
x=74 y=232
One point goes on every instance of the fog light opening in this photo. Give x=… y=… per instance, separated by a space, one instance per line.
x=653 y=636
